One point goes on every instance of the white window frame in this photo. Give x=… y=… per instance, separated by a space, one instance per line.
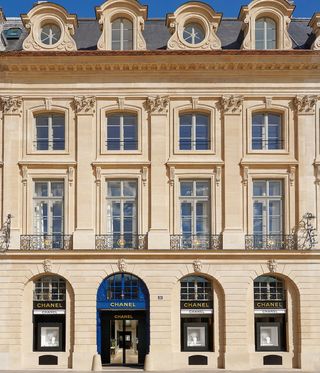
x=193 y=139
x=50 y=132
x=265 y=30
x=121 y=140
x=39 y=284
x=265 y=132
x=122 y=33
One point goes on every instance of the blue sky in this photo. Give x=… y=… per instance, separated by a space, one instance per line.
x=157 y=8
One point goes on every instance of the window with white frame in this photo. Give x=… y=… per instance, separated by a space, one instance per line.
x=195 y=288
x=122 y=213
x=49 y=288
x=266 y=33
x=194 y=131
x=48 y=217
x=268 y=288
x=121 y=132
x=50 y=132
x=122 y=34
x=267 y=209
x=267 y=131
x=194 y=208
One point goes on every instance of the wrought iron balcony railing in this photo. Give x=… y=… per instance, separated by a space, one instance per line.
x=46 y=242
x=120 y=242
x=259 y=144
x=271 y=242
x=195 y=242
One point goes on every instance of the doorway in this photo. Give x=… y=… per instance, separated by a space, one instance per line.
x=123 y=338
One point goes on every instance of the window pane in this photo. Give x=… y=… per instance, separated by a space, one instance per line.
x=114 y=188
x=275 y=188
x=129 y=188
x=186 y=188
x=202 y=188
x=259 y=188
x=41 y=189
x=57 y=189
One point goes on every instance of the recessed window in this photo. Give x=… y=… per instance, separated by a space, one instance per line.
x=122 y=34
x=12 y=33
x=266 y=132
x=121 y=132
x=193 y=33
x=194 y=132
x=50 y=132
x=266 y=33
x=49 y=288
x=50 y=34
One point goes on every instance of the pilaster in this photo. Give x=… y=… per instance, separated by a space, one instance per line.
x=231 y=111
x=158 y=236
x=84 y=235
x=12 y=129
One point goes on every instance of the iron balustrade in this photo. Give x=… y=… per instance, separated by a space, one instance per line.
x=46 y=242
x=194 y=144
x=121 y=145
x=258 y=144
x=49 y=145
x=271 y=242
x=195 y=242
x=120 y=242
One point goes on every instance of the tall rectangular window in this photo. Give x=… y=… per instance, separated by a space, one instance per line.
x=50 y=132
x=267 y=210
x=122 y=213
x=266 y=33
x=194 y=208
x=266 y=131
x=122 y=34
x=48 y=218
x=121 y=132
x=194 y=132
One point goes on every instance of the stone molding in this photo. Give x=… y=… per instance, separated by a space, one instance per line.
x=11 y=105
x=315 y=25
x=129 y=9
x=44 y=13
x=194 y=12
x=278 y=10
x=84 y=105
x=305 y=104
x=231 y=105
x=157 y=105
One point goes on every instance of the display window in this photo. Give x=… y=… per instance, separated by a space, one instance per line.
x=50 y=336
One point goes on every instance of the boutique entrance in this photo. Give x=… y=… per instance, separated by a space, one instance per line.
x=123 y=320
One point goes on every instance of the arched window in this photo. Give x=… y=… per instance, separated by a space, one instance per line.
x=194 y=131
x=266 y=131
x=124 y=286
x=122 y=34
x=49 y=132
x=121 y=131
x=49 y=314
x=270 y=313
x=266 y=33
x=196 y=298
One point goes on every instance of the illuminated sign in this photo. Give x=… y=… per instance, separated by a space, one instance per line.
x=196 y=305
x=49 y=305
x=269 y=304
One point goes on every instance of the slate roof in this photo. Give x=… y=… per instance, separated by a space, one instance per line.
x=157 y=34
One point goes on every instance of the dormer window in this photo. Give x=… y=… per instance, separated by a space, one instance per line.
x=122 y=34
x=50 y=34
x=193 y=33
x=266 y=33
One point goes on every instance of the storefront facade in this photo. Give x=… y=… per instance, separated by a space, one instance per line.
x=160 y=185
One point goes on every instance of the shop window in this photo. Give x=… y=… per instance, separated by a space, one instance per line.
x=49 y=309
x=266 y=33
x=194 y=132
x=48 y=215
x=122 y=213
x=50 y=132
x=270 y=314
x=267 y=214
x=122 y=34
x=121 y=132
x=196 y=303
x=266 y=131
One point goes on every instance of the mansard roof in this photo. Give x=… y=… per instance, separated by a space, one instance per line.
x=157 y=34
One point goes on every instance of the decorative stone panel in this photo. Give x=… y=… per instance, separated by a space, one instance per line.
x=129 y=9
x=278 y=10
x=49 y=14
x=195 y=13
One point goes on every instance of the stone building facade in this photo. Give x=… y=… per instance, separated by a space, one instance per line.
x=160 y=185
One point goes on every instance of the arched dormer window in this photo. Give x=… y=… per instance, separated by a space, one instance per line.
x=266 y=33
x=122 y=34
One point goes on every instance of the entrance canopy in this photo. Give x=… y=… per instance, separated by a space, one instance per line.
x=122 y=291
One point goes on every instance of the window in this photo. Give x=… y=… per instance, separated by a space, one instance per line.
x=196 y=304
x=194 y=209
x=122 y=34
x=50 y=132
x=13 y=33
x=122 y=213
x=50 y=34
x=194 y=132
x=266 y=131
x=49 y=288
x=268 y=288
x=123 y=286
x=48 y=216
x=193 y=33
x=267 y=213
x=121 y=132
x=266 y=34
